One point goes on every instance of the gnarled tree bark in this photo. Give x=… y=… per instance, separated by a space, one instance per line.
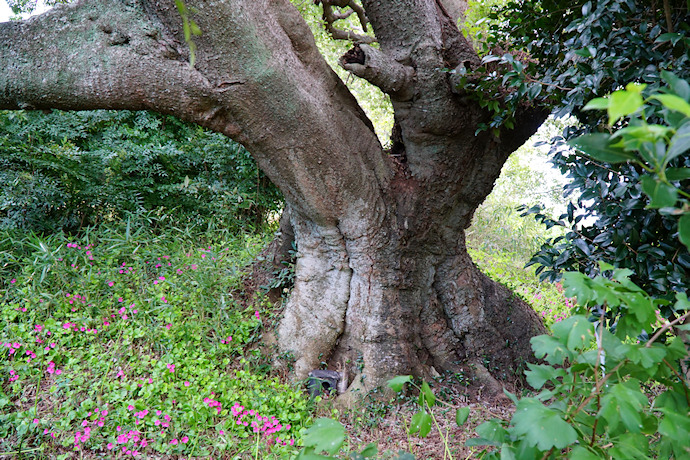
x=383 y=279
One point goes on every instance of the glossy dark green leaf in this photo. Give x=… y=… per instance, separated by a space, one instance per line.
x=675 y=174
x=661 y=195
x=680 y=142
x=684 y=230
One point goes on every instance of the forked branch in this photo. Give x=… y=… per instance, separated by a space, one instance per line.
x=330 y=17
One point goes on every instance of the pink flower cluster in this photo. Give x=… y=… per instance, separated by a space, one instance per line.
x=31 y=354
x=75 y=298
x=73 y=327
x=125 y=270
x=13 y=375
x=213 y=403
x=132 y=437
x=81 y=437
x=228 y=340
x=52 y=370
x=266 y=426
x=123 y=311
x=12 y=346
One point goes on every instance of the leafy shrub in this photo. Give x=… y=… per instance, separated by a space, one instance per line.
x=626 y=228
x=73 y=169
x=603 y=393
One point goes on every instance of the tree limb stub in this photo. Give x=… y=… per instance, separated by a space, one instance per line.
x=380 y=70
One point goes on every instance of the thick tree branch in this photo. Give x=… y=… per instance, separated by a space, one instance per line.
x=95 y=55
x=377 y=68
x=258 y=78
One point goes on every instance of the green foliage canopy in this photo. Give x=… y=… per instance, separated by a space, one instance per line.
x=71 y=169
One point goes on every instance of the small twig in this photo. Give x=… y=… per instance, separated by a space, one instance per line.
x=546 y=455
x=669 y=18
x=675 y=371
x=665 y=327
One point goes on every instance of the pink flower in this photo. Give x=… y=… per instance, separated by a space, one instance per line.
x=184 y=439
x=111 y=283
x=168 y=326
x=173 y=442
x=186 y=384
x=14 y=280
x=130 y=407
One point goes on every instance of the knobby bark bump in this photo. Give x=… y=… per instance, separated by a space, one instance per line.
x=383 y=283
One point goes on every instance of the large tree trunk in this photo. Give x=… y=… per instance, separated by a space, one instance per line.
x=404 y=298
x=383 y=279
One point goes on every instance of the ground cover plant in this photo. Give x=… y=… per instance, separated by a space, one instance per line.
x=124 y=343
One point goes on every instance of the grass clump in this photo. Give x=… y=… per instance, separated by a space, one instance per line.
x=121 y=342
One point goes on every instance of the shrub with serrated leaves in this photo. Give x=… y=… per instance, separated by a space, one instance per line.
x=603 y=394
x=66 y=170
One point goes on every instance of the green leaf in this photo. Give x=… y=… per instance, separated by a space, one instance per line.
x=624 y=402
x=420 y=422
x=507 y=452
x=673 y=102
x=539 y=374
x=675 y=174
x=661 y=195
x=674 y=425
x=600 y=147
x=581 y=453
x=325 y=434
x=678 y=85
x=398 y=382
x=461 y=415
x=680 y=142
x=625 y=102
x=491 y=433
x=575 y=332
x=308 y=454
x=541 y=426
x=426 y=394
x=550 y=348
x=599 y=103
x=370 y=451
x=684 y=230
